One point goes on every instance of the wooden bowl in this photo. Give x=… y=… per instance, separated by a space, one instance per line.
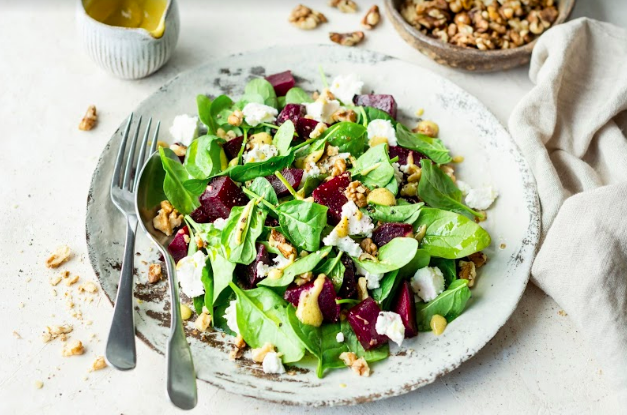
x=460 y=57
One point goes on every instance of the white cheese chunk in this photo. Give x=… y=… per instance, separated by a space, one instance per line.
x=382 y=129
x=345 y=244
x=345 y=87
x=427 y=283
x=372 y=280
x=255 y=114
x=481 y=198
x=189 y=271
x=219 y=223
x=463 y=187
x=322 y=109
x=260 y=152
x=390 y=324
x=272 y=363
x=230 y=315
x=398 y=174
x=184 y=129
x=339 y=337
x=358 y=223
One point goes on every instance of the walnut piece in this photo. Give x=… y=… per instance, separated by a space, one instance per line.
x=479 y=259
x=317 y=132
x=344 y=114
x=258 y=354
x=236 y=118
x=167 y=218
x=238 y=348
x=59 y=256
x=154 y=273
x=339 y=167
x=89 y=120
x=277 y=240
x=347 y=39
x=73 y=348
x=71 y=280
x=359 y=366
x=467 y=271
x=53 y=332
x=362 y=288
x=369 y=247
x=179 y=149
x=358 y=193
x=372 y=18
x=345 y=6
x=98 y=364
x=203 y=321
x=305 y=18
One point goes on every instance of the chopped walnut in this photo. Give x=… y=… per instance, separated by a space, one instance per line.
x=60 y=276
x=236 y=118
x=98 y=364
x=362 y=288
x=59 y=256
x=71 y=280
x=428 y=128
x=347 y=39
x=467 y=271
x=239 y=345
x=89 y=287
x=449 y=171
x=277 y=240
x=317 y=132
x=203 y=321
x=339 y=167
x=303 y=278
x=305 y=18
x=369 y=247
x=359 y=366
x=73 y=348
x=167 y=218
x=258 y=354
x=372 y=18
x=358 y=193
x=89 y=120
x=154 y=273
x=345 y=6
x=344 y=114
x=479 y=259
x=179 y=149
x=53 y=332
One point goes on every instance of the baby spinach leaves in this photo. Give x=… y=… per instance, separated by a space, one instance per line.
x=302 y=223
x=262 y=317
x=347 y=136
x=401 y=213
x=184 y=200
x=390 y=282
x=297 y=95
x=205 y=157
x=222 y=270
x=450 y=235
x=334 y=269
x=240 y=232
x=448 y=268
x=392 y=256
x=259 y=87
x=372 y=355
x=249 y=171
x=431 y=147
x=283 y=137
x=373 y=168
x=300 y=266
x=439 y=191
x=262 y=187
x=420 y=260
x=449 y=304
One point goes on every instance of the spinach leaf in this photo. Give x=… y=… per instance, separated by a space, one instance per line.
x=222 y=270
x=334 y=269
x=248 y=98
x=430 y=147
x=347 y=136
x=175 y=175
x=262 y=187
x=262 y=318
x=448 y=268
x=420 y=260
x=374 y=168
x=300 y=266
x=297 y=95
x=198 y=303
x=439 y=191
x=450 y=235
x=377 y=114
x=204 y=113
x=310 y=185
x=207 y=280
x=302 y=223
x=249 y=171
x=221 y=109
x=205 y=157
x=390 y=281
x=400 y=213
x=240 y=232
x=283 y=137
x=264 y=89
x=320 y=342
x=394 y=255
x=449 y=304
x=282 y=101
x=219 y=309
x=392 y=186
x=372 y=355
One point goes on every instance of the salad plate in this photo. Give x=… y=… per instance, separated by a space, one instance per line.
x=466 y=127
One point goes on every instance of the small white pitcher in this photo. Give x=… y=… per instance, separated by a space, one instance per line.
x=128 y=53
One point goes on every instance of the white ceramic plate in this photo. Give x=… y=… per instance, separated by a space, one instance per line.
x=466 y=126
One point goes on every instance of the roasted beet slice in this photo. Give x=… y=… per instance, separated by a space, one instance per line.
x=402 y=153
x=304 y=127
x=388 y=231
x=232 y=147
x=405 y=306
x=247 y=274
x=216 y=202
x=292 y=112
x=363 y=319
x=349 y=284
x=326 y=300
x=281 y=82
x=293 y=177
x=383 y=102
x=331 y=195
x=178 y=246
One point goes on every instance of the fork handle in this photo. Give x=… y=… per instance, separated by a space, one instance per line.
x=181 y=376
x=120 y=351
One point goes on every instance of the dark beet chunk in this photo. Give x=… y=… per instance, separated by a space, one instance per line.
x=199 y=215
x=178 y=246
x=247 y=274
x=271 y=221
x=304 y=127
x=232 y=147
x=363 y=319
x=216 y=202
x=292 y=112
x=405 y=306
x=281 y=82
x=293 y=177
x=383 y=102
x=402 y=153
x=388 y=231
x=331 y=195
x=326 y=300
x=349 y=283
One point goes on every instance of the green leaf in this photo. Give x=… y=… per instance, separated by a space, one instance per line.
x=204 y=157
x=347 y=136
x=181 y=198
x=198 y=303
x=249 y=171
x=222 y=270
x=449 y=304
x=219 y=309
x=450 y=235
x=372 y=355
x=448 y=268
x=297 y=95
x=241 y=230
x=311 y=183
x=387 y=286
x=204 y=113
x=207 y=281
x=420 y=260
x=377 y=114
x=400 y=213
x=438 y=190
x=262 y=187
x=262 y=318
x=334 y=269
x=221 y=109
x=264 y=89
x=374 y=168
x=299 y=266
x=302 y=223
x=430 y=147
x=283 y=137
x=392 y=256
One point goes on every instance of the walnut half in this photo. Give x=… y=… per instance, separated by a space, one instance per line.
x=305 y=18
x=89 y=120
x=347 y=39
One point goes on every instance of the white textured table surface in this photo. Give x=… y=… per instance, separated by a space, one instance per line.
x=537 y=363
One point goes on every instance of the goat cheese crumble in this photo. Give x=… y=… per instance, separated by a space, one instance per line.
x=184 y=129
x=311 y=170
x=345 y=244
x=189 y=271
x=372 y=280
x=481 y=198
x=358 y=223
x=398 y=174
x=230 y=315
x=428 y=283
x=272 y=363
x=260 y=152
x=339 y=337
x=384 y=129
x=390 y=324
x=255 y=114
x=219 y=223
x=345 y=87
x=322 y=109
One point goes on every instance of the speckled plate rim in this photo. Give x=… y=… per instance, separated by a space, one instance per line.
x=523 y=257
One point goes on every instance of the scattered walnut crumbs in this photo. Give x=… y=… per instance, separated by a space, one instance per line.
x=73 y=348
x=89 y=120
x=372 y=18
x=53 y=332
x=89 y=287
x=347 y=39
x=98 y=364
x=358 y=193
x=258 y=354
x=359 y=366
x=167 y=218
x=154 y=273
x=239 y=345
x=59 y=256
x=305 y=18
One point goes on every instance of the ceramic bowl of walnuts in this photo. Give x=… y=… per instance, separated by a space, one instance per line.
x=476 y=35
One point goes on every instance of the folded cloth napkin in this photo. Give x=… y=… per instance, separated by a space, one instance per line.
x=571 y=128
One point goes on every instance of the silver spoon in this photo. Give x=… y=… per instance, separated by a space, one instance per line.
x=181 y=377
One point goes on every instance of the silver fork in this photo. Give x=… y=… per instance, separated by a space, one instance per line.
x=120 y=351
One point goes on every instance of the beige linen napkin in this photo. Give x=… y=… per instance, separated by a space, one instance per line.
x=571 y=128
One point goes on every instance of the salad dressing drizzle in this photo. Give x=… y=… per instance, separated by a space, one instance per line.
x=308 y=311
x=134 y=14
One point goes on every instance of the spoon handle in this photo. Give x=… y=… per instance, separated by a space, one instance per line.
x=180 y=377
